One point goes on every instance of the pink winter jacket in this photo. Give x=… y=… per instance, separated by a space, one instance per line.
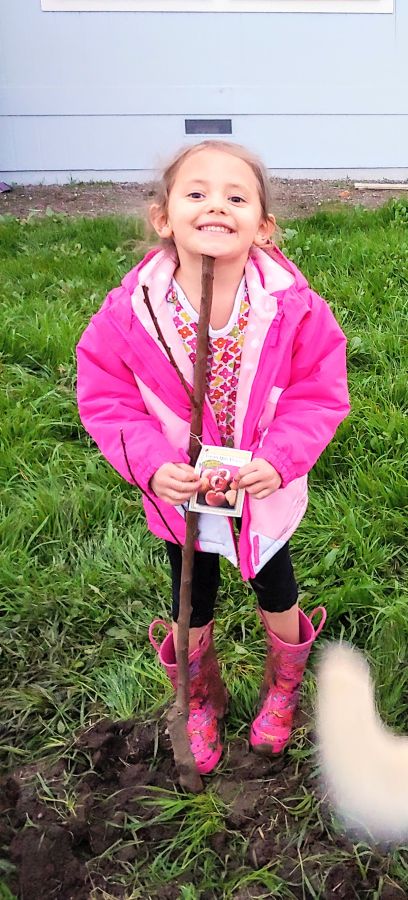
x=291 y=396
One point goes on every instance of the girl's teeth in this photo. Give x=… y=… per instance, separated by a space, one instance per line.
x=215 y=228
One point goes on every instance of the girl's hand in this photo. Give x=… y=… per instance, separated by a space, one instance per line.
x=175 y=483
x=259 y=478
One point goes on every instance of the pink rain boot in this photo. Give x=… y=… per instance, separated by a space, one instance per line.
x=208 y=696
x=285 y=665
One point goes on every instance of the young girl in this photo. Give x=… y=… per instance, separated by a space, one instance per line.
x=276 y=387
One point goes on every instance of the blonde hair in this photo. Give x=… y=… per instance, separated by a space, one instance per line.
x=169 y=174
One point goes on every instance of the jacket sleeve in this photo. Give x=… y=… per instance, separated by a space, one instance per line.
x=109 y=402
x=316 y=398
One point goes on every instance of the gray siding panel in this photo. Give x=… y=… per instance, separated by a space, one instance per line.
x=116 y=142
x=100 y=92
x=348 y=98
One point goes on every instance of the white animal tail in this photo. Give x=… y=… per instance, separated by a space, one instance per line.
x=364 y=764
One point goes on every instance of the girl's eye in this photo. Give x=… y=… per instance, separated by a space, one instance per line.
x=196 y=195
x=236 y=199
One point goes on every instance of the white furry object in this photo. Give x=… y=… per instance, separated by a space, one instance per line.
x=365 y=765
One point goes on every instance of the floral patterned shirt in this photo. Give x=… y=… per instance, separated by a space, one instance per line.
x=224 y=353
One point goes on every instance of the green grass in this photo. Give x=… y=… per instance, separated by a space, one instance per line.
x=82 y=578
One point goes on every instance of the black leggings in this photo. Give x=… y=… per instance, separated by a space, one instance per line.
x=274 y=586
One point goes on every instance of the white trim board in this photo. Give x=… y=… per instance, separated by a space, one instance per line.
x=212 y=6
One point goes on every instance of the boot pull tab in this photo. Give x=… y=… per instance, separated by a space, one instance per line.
x=319 y=609
x=152 y=628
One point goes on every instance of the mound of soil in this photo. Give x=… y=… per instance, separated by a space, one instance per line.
x=290 y=198
x=63 y=825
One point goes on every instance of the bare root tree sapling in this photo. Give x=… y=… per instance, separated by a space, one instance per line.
x=177 y=717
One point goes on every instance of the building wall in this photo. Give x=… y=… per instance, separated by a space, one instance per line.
x=105 y=95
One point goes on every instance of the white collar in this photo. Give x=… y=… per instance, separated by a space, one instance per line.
x=213 y=332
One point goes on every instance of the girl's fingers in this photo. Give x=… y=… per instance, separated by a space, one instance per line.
x=249 y=467
x=175 y=498
x=255 y=488
x=187 y=473
x=260 y=490
x=262 y=494
x=175 y=482
x=179 y=493
x=181 y=487
x=249 y=479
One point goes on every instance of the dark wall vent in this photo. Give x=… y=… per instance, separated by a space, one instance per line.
x=208 y=126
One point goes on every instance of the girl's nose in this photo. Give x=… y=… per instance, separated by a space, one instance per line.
x=216 y=205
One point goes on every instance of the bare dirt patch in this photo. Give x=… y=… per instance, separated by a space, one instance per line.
x=290 y=198
x=75 y=843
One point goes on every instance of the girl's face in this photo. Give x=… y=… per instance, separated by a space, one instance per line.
x=214 y=208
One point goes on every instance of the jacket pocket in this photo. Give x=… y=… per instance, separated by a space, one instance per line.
x=277 y=514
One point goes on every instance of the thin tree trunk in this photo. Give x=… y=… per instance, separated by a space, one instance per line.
x=177 y=717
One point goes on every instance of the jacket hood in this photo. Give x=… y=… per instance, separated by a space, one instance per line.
x=276 y=272
x=270 y=277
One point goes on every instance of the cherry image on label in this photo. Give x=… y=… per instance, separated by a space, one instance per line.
x=218 y=487
x=218 y=482
x=215 y=498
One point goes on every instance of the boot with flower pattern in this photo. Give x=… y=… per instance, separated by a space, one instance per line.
x=208 y=695
x=284 y=668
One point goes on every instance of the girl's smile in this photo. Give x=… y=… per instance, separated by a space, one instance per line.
x=222 y=229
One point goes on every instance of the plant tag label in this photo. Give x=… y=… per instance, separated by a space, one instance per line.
x=219 y=493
